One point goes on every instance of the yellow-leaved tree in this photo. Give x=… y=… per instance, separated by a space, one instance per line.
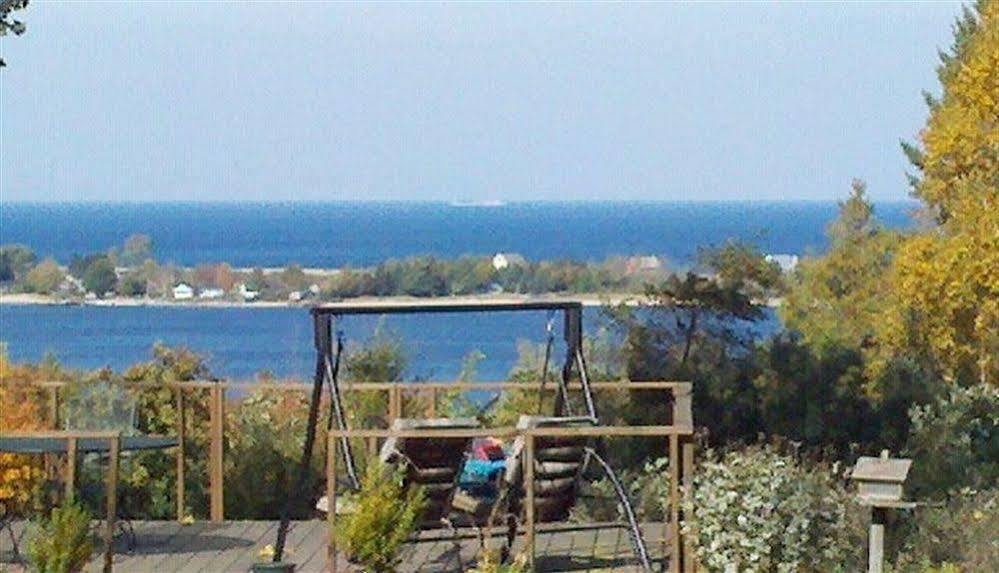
x=945 y=300
x=21 y=477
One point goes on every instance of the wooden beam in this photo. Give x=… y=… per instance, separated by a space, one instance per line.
x=181 y=452
x=215 y=462
x=331 y=454
x=70 y=479
x=528 y=460
x=687 y=478
x=54 y=407
x=112 y=503
x=673 y=528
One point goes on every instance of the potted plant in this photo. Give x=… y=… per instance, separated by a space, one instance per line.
x=61 y=542
x=267 y=563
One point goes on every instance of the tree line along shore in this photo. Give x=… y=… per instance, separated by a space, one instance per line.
x=130 y=275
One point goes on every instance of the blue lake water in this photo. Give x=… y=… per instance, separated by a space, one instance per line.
x=240 y=342
x=336 y=234
x=243 y=341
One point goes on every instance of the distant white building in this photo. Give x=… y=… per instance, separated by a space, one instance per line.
x=246 y=293
x=183 y=291
x=787 y=263
x=294 y=296
x=646 y=264
x=505 y=260
x=212 y=293
x=314 y=290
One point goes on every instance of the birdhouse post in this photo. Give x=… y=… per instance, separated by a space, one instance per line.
x=879 y=486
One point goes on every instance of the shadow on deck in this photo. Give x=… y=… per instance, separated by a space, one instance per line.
x=233 y=546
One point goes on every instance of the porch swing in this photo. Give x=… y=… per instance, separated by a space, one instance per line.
x=435 y=463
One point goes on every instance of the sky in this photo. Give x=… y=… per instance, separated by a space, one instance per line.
x=148 y=101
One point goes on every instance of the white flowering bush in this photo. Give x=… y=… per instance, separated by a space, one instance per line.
x=756 y=511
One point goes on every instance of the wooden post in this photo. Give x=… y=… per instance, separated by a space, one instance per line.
x=331 y=454
x=70 y=479
x=112 y=503
x=54 y=406
x=529 y=484
x=876 y=542
x=180 y=451
x=687 y=468
x=673 y=528
x=395 y=403
x=215 y=453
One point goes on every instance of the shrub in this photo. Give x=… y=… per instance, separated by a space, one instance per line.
x=22 y=407
x=955 y=442
x=62 y=543
x=957 y=537
x=647 y=489
x=266 y=432
x=755 y=510
x=384 y=517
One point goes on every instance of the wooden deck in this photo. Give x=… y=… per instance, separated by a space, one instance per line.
x=164 y=546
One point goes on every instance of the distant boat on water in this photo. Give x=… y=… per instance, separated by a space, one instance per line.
x=483 y=203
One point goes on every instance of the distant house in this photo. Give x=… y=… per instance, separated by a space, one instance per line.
x=212 y=293
x=644 y=264
x=295 y=296
x=505 y=260
x=183 y=291
x=787 y=263
x=246 y=293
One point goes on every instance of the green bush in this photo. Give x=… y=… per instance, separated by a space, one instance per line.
x=957 y=537
x=647 y=489
x=61 y=543
x=955 y=442
x=757 y=511
x=384 y=516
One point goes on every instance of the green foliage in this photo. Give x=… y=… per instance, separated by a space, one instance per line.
x=386 y=515
x=835 y=300
x=266 y=432
x=61 y=543
x=132 y=284
x=15 y=260
x=743 y=266
x=43 y=278
x=955 y=442
x=647 y=488
x=137 y=249
x=755 y=510
x=100 y=278
x=958 y=537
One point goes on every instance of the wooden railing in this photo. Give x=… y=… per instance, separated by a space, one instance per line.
x=677 y=414
x=680 y=471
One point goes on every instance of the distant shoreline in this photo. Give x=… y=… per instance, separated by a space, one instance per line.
x=589 y=300
x=23 y=299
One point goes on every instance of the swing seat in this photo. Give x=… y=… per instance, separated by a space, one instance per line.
x=434 y=464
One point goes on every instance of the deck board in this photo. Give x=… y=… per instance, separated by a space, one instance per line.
x=233 y=546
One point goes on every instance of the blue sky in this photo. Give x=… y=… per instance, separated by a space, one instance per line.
x=223 y=101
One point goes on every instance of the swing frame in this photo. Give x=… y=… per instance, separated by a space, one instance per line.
x=328 y=354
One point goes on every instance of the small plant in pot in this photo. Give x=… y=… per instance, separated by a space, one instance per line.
x=384 y=515
x=266 y=564
x=61 y=542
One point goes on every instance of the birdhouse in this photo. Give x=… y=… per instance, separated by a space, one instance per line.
x=880 y=480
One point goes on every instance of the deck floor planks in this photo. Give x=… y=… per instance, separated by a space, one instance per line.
x=164 y=547
x=152 y=540
x=228 y=538
x=261 y=533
